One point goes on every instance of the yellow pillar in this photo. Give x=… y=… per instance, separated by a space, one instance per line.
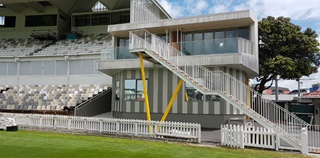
x=144 y=87
x=176 y=91
x=248 y=96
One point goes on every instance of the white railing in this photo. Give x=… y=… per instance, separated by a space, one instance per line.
x=314 y=138
x=206 y=81
x=142 y=12
x=240 y=136
x=157 y=129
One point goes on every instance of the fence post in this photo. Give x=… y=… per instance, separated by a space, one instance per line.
x=101 y=126
x=241 y=137
x=304 y=141
x=69 y=123
x=54 y=123
x=277 y=144
x=199 y=132
x=222 y=135
x=40 y=122
x=135 y=128
x=118 y=127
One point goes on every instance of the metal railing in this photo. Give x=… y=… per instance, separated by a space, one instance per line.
x=142 y=12
x=75 y=124
x=314 y=138
x=207 y=81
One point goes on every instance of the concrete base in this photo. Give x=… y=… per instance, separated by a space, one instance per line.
x=206 y=121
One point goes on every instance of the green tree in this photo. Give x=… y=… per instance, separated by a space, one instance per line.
x=285 y=50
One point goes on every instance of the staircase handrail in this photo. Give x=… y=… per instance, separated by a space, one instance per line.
x=281 y=117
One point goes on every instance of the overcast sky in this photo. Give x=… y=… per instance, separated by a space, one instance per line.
x=305 y=13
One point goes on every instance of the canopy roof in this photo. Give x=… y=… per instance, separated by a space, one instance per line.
x=66 y=6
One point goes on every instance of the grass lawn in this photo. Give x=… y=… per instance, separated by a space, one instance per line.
x=30 y=144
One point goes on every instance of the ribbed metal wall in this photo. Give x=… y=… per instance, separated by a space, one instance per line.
x=161 y=85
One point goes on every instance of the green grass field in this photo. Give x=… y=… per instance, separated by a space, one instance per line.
x=30 y=144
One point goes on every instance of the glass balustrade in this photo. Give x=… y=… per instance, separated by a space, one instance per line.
x=200 y=47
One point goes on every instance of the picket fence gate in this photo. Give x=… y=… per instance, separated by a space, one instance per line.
x=239 y=136
x=75 y=124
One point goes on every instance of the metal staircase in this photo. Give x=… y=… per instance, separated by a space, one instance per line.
x=247 y=100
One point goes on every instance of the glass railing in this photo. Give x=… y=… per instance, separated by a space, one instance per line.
x=117 y=53
x=200 y=47
x=216 y=46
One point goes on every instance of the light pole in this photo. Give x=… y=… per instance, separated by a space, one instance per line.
x=276 y=88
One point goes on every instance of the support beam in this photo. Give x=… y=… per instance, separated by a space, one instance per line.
x=36 y=6
x=176 y=91
x=17 y=8
x=144 y=87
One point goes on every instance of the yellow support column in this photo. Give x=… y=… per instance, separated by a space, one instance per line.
x=248 y=96
x=143 y=75
x=176 y=91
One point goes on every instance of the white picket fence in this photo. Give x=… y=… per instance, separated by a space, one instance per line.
x=73 y=124
x=240 y=136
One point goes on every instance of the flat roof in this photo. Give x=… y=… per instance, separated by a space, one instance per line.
x=220 y=20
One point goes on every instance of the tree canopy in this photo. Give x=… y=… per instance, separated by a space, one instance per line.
x=286 y=51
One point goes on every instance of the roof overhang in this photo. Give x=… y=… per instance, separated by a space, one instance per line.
x=221 y=20
x=66 y=6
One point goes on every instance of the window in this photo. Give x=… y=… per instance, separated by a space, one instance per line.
x=7 y=21
x=2 y=20
x=194 y=95
x=213 y=41
x=117 y=97
x=133 y=90
x=99 y=7
x=122 y=51
x=41 y=20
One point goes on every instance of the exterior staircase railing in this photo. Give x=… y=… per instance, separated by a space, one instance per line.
x=264 y=111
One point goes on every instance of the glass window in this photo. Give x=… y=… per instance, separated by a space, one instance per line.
x=230 y=33
x=2 y=20
x=130 y=90
x=219 y=42
x=208 y=43
x=115 y=17
x=193 y=94
x=117 y=90
x=219 y=34
x=140 y=93
x=212 y=98
x=244 y=33
x=134 y=90
x=125 y=17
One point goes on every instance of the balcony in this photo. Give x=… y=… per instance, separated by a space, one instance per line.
x=235 y=52
x=117 y=53
x=217 y=46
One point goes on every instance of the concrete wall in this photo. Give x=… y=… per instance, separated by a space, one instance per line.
x=56 y=80
x=100 y=104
